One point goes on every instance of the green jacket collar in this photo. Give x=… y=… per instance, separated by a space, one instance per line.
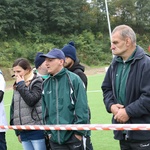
x=119 y=59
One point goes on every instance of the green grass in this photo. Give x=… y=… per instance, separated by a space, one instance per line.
x=101 y=139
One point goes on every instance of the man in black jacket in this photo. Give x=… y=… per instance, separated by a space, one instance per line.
x=126 y=88
x=72 y=63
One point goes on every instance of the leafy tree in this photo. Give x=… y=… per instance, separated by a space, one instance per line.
x=134 y=13
x=142 y=16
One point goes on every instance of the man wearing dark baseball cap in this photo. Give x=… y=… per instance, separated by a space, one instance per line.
x=54 y=60
x=64 y=102
x=54 y=53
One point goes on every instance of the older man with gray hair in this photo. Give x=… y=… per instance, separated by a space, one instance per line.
x=126 y=88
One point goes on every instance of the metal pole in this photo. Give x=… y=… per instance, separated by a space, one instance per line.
x=108 y=19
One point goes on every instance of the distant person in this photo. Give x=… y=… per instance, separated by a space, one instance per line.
x=41 y=70
x=26 y=106
x=40 y=66
x=126 y=88
x=72 y=63
x=3 y=120
x=64 y=102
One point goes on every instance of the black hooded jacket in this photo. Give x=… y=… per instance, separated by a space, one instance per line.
x=137 y=103
x=78 y=69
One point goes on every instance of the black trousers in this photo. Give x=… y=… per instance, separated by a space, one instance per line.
x=89 y=145
x=2 y=141
x=134 y=145
x=72 y=144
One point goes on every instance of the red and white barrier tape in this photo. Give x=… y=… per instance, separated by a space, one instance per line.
x=80 y=127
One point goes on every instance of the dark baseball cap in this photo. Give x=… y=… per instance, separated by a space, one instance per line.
x=54 y=53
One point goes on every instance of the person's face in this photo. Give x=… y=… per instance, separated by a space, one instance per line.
x=43 y=68
x=68 y=62
x=19 y=71
x=54 y=65
x=118 y=45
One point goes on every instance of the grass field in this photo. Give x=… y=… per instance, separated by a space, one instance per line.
x=102 y=140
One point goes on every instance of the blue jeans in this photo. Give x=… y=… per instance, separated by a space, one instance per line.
x=34 y=144
x=2 y=141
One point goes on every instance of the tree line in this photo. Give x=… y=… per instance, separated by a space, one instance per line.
x=28 y=26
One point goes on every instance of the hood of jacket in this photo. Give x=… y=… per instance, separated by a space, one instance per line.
x=76 y=65
x=138 y=54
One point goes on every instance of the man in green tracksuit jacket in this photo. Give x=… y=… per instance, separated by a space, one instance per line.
x=64 y=102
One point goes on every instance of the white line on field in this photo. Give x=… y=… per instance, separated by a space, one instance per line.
x=94 y=91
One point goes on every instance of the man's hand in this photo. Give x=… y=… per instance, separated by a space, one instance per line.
x=121 y=116
x=115 y=108
x=79 y=137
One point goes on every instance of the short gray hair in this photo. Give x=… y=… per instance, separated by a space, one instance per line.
x=125 y=31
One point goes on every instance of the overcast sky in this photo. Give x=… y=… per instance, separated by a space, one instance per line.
x=88 y=1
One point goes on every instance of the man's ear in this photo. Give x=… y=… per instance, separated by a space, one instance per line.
x=128 y=41
x=62 y=62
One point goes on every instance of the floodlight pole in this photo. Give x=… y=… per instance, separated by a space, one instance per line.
x=109 y=28
x=108 y=19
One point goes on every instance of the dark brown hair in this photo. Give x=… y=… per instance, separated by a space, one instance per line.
x=23 y=63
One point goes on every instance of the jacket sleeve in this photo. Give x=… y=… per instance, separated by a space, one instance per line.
x=45 y=115
x=12 y=112
x=140 y=104
x=33 y=95
x=81 y=104
x=107 y=88
x=44 y=110
x=1 y=95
